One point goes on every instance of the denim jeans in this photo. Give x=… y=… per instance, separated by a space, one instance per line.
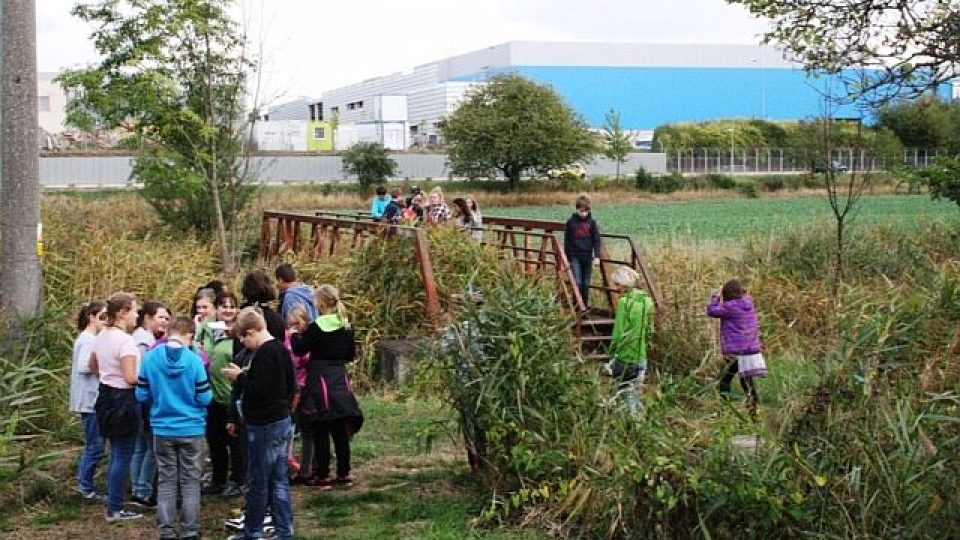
x=582 y=274
x=143 y=466
x=121 y=452
x=267 y=451
x=178 y=460
x=92 y=453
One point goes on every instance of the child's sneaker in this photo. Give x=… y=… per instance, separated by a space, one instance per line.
x=322 y=483
x=122 y=515
x=92 y=497
x=231 y=490
x=143 y=503
x=344 y=481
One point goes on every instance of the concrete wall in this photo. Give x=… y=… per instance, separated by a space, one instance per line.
x=62 y=172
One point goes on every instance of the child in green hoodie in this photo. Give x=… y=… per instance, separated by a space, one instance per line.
x=632 y=334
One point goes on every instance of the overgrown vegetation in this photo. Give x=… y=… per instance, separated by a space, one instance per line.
x=858 y=431
x=174 y=74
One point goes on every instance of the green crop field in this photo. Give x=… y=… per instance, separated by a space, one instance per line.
x=731 y=221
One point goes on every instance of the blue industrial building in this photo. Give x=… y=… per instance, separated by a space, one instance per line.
x=648 y=84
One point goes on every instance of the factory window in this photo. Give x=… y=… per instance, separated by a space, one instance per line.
x=414 y=130
x=319 y=133
x=319 y=107
x=355 y=105
x=43 y=103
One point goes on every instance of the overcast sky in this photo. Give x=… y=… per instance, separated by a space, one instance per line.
x=311 y=46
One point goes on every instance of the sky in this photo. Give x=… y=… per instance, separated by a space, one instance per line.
x=310 y=46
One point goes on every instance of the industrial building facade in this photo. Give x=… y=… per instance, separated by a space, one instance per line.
x=648 y=84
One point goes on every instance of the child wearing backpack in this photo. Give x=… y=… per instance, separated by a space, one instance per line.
x=740 y=337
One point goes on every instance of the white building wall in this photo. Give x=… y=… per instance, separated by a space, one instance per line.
x=281 y=135
x=338 y=102
x=51 y=104
x=297 y=109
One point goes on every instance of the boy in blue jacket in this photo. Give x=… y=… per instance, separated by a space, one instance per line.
x=174 y=383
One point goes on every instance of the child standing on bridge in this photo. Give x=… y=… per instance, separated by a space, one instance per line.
x=740 y=337
x=581 y=242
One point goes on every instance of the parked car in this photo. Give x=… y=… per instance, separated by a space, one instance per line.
x=835 y=166
x=571 y=171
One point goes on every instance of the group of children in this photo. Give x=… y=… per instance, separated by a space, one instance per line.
x=415 y=209
x=232 y=383
x=633 y=323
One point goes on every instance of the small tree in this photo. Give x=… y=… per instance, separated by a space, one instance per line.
x=174 y=72
x=370 y=162
x=616 y=143
x=513 y=126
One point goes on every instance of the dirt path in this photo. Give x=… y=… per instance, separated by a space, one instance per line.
x=381 y=484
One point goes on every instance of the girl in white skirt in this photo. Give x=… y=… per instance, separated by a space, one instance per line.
x=740 y=337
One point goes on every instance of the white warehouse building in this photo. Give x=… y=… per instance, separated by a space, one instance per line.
x=648 y=84
x=398 y=110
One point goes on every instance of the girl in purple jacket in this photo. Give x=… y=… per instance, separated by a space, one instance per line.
x=740 y=336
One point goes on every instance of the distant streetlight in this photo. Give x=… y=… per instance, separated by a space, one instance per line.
x=731 y=132
x=763 y=88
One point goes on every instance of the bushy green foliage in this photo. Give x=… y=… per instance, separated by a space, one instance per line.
x=721 y=181
x=643 y=179
x=928 y=122
x=175 y=74
x=511 y=127
x=942 y=179
x=865 y=453
x=370 y=162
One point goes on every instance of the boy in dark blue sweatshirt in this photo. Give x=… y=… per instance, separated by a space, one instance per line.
x=174 y=383
x=581 y=243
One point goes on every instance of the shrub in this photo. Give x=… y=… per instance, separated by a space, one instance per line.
x=772 y=183
x=667 y=183
x=721 y=181
x=748 y=188
x=643 y=179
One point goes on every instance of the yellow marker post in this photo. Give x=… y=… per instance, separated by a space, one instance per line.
x=40 y=240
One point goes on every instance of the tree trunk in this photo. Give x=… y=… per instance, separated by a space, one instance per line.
x=214 y=176
x=513 y=177
x=838 y=269
x=20 y=276
x=618 y=169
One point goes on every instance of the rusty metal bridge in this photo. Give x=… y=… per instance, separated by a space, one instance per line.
x=535 y=246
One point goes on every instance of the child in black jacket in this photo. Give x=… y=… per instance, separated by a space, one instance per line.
x=328 y=396
x=581 y=243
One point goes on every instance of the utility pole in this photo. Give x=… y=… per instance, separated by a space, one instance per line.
x=20 y=279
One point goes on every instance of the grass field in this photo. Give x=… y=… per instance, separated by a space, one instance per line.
x=732 y=221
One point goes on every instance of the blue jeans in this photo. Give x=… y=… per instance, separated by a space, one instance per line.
x=582 y=273
x=121 y=452
x=143 y=466
x=267 y=451
x=92 y=453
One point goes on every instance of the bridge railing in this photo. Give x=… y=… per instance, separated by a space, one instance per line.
x=325 y=234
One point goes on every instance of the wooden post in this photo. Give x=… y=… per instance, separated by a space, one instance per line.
x=422 y=247
x=264 y=253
